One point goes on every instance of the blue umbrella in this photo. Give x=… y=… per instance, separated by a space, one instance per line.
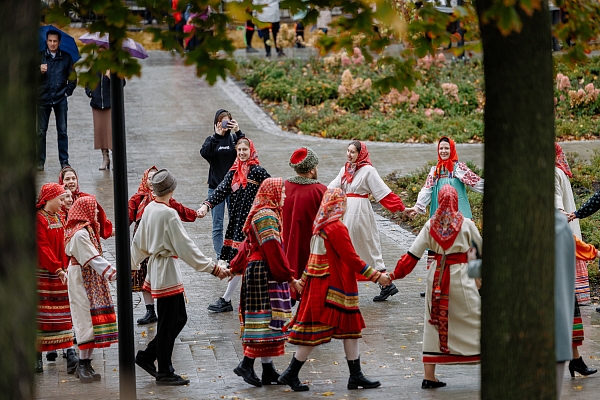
x=67 y=43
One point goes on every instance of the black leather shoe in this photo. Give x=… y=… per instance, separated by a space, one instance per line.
x=51 y=356
x=386 y=292
x=149 y=367
x=150 y=316
x=72 y=361
x=95 y=376
x=269 y=374
x=422 y=294
x=171 y=380
x=221 y=306
x=577 y=365
x=597 y=309
x=357 y=378
x=432 y=384
x=245 y=369
x=290 y=376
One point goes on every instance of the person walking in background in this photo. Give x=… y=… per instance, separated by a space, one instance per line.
x=565 y=202
x=57 y=82
x=162 y=238
x=55 y=330
x=220 y=152
x=92 y=308
x=265 y=303
x=303 y=199
x=359 y=179
x=452 y=328
x=101 y=114
x=270 y=14
x=240 y=184
x=250 y=27
x=329 y=306
x=323 y=20
x=137 y=204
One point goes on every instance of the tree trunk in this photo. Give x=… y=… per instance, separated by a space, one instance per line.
x=518 y=356
x=19 y=70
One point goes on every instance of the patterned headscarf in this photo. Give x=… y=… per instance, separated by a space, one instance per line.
x=48 y=192
x=447 y=220
x=333 y=207
x=362 y=160
x=268 y=197
x=83 y=215
x=242 y=168
x=448 y=164
x=147 y=193
x=561 y=160
x=76 y=193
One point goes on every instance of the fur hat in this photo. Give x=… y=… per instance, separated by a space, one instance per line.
x=303 y=160
x=163 y=182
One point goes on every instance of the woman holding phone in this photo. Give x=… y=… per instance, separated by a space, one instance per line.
x=220 y=152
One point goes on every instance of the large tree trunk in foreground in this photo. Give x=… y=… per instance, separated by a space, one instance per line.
x=18 y=258
x=518 y=359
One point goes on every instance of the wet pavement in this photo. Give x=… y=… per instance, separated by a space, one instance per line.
x=169 y=113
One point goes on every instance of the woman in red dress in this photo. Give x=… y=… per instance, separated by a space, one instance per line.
x=137 y=205
x=329 y=306
x=55 y=330
x=68 y=178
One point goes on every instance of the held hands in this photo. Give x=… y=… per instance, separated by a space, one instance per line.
x=202 y=211
x=63 y=277
x=223 y=273
x=297 y=285
x=571 y=217
x=384 y=280
x=410 y=212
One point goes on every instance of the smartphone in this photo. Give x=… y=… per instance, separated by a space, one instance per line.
x=225 y=124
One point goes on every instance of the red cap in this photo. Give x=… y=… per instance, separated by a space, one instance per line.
x=299 y=155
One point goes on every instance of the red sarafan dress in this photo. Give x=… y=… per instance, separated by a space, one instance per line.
x=55 y=330
x=329 y=306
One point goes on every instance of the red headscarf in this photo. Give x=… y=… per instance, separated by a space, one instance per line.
x=48 y=192
x=448 y=164
x=447 y=220
x=333 y=207
x=268 y=197
x=76 y=193
x=561 y=160
x=146 y=193
x=242 y=168
x=362 y=160
x=83 y=215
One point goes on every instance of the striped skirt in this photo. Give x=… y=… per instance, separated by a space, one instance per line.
x=577 y=326
x=93 y=311
x=139 y=276
x=265 y=307
x=55 y=330
x=582 y=282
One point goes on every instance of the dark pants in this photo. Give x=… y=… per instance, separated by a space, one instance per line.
x=60 y=113
x=171 y=320
x=265 y=36
x=249 y=32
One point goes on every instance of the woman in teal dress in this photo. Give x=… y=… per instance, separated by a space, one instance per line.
x=448 y=171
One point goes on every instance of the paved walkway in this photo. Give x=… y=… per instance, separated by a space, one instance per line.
x=169 y=113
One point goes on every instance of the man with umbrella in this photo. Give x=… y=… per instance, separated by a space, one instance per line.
x=57 y=83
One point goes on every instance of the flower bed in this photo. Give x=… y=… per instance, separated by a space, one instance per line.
x=337 y=97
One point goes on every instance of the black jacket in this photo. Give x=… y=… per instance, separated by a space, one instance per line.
x=101 y=94
x=220 y=153
x=59 y=80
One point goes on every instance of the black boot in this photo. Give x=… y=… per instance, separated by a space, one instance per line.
x=386 y=292
x=72 y=361
x=577 y=365
x=150 y=316
x=95 y=376
x=290 y=376
x=269 y=375
x=82 y=372
x=246 y=370
x=51 y=356
x=39 y=364
x=357 y=378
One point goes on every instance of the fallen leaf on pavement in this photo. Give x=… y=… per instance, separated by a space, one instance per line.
x=144 y=334
x=328 y=393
